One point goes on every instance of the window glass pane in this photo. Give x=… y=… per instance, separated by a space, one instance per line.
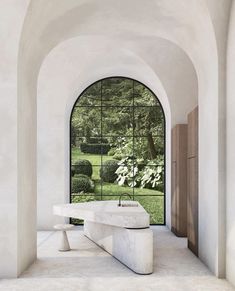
x=86 y=150
x=86 y=122
x=117 y=92
x=117 y=121
x=115 y=189
x=98 y=185
x=154 y=205
x=149 y=149
x=149 y=180
x=91 y=96
x=143 y=96
x=148 y=121
x=118 y=126
x=116 y=197
x=81 y=184
x=120 y=147
x=80 y=198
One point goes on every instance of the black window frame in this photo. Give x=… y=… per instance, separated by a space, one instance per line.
x=164 y=137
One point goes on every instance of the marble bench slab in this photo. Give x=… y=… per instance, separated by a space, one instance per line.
x=107 y=212
x=122 y=231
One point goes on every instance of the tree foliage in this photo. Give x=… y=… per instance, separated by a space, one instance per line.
x=123 y=110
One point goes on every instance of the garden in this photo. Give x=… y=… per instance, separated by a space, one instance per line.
x=117 y=145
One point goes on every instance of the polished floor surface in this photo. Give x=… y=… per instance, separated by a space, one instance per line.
x=88 y=268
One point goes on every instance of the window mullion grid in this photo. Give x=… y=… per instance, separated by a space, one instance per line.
x=101 y=133
x=133 y=139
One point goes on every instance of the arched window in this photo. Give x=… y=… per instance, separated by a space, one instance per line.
x=117 y=145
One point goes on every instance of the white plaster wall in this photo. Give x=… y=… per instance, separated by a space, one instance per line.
x=230 y=140
x=220 y=15
x=192 y=31
x=27 y=178
x=12 y=13
x=63 y=75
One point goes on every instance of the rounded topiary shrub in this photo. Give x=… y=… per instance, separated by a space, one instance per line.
x=83 y=167
x=82 y=183
x=107 y=171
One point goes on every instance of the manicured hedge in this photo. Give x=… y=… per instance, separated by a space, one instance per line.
x=81 y=183
x=96 y=148
x=82 y=167
x=107 y=171
x=95 y=140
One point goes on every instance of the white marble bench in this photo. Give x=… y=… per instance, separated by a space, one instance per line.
x=122 y=231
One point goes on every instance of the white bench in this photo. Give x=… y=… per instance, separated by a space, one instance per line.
x=122 y=231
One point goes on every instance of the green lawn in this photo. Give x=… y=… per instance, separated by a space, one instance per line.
x=115 y=189
x=153 y=204
x=94 y=159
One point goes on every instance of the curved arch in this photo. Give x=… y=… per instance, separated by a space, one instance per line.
x=156 y=85
x=67 y=20
x=94 y=71
x=189 y=38
x=126 y=63
x=69 y=95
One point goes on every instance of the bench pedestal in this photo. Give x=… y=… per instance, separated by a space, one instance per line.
x=132 y=247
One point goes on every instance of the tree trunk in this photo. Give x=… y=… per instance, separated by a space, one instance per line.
x=151 y=146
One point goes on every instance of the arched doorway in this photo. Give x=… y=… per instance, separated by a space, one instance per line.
x=117 y=145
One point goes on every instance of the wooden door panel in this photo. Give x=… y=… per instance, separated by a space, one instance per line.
x=193 y=133
x=173 y=196
x=179 y=180
x=192 y=209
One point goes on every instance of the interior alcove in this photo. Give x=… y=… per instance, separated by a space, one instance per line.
x=67 y=82
x=38 y=39
x=106 y=129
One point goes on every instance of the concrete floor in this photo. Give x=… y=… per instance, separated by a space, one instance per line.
x=88 y=268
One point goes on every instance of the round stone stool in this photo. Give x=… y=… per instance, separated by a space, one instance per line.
x=64 y=244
